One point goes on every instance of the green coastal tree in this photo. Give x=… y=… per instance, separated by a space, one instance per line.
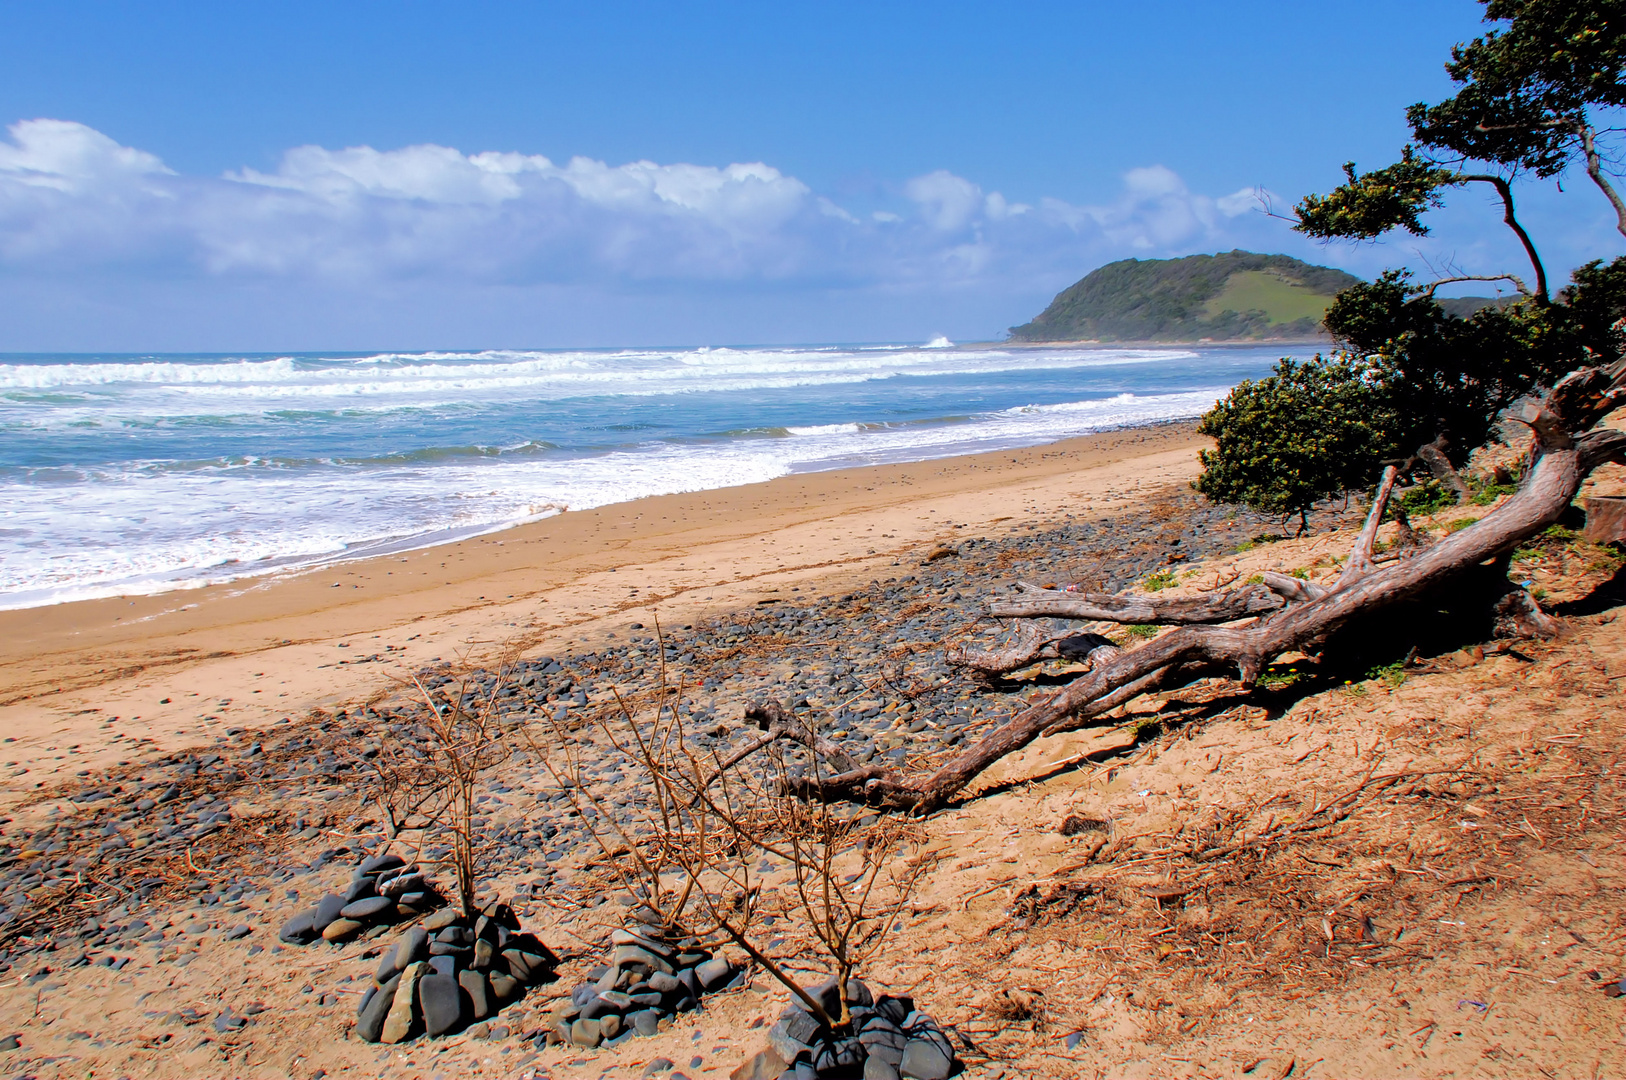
x=1410 y=384
x=1305 y=433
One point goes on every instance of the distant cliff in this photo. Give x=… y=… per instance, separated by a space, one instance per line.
x=1233 y=296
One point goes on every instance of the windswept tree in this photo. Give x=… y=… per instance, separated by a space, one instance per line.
x=1412 y=385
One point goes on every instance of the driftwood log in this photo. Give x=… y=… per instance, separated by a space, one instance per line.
x=1243 y=630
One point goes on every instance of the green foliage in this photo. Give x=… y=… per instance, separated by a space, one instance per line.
x=1319 y=429
x=1308 y=432
x=1459 y=524
x=1525 y=88
x=1141 y=631
x=1390 y=675
x=1193 y=297
x=1429 y=374
x=1163 y=579
x=1450 y=378
x=1274 y=678
x=1369 y=205
x=1429 y=497
x=1486 y=492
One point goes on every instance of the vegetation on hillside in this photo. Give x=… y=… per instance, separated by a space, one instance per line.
x=1413 y=382
x=1233 y=295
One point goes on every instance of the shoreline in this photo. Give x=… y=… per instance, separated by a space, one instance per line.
x=176 y=668
x=1319 y=340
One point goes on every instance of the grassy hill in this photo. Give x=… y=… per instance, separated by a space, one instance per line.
x=1232 y=296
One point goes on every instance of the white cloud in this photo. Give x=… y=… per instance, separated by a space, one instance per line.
x=1241 y=201
x=947 y=201
x=65 y=156
x=73 y=201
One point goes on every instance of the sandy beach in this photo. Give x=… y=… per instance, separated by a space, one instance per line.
x=82 y=685
x=151 y=908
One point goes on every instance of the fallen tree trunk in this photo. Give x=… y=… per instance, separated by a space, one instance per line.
x=1565 y=451
x=1037 y=603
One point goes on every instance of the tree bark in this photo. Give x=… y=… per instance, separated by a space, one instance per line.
x=1506 y=192
x=1594 y=169
x=1037 y=603
x=1433 y=455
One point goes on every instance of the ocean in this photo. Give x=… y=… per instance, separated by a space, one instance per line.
x=125 y=474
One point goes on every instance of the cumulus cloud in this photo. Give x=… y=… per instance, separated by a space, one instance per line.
x=72 y=199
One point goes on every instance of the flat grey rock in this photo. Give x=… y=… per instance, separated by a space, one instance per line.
x=360 y=889
x=924 y=1059
x=585 y=1033
x=367 y=908
x=380 y=863
x=474 y=985
x=374 y=1009
x=441 y=1000
x=876 y=1069
x=440 y=920
x=714 y=973
x=327 y=909
x=300 y=930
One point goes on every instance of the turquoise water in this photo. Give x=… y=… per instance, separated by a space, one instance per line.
x=127 y=474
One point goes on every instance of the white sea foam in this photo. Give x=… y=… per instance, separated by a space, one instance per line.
x=141 y=529
x=141 y=474
x=826 y=429
x=121 y=392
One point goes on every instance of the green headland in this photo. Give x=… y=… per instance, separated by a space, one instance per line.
x=1232 y=296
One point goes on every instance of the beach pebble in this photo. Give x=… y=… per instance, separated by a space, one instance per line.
x=440 y=920
x=379 y=863
x=398 y=1023
x=340 y=930
x=474 y=985
x=300 y=930
x=441 y=1000
x=367 y=908
x=229 y=1021
x=503 y=986
x=374 y=1009
x=327 y=909
x=928 y=1056
x=359 y=889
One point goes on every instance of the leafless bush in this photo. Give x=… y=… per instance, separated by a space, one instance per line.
x=687 y=848
x=433 y=762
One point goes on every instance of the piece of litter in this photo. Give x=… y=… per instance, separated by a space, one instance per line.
x=1479 y=1005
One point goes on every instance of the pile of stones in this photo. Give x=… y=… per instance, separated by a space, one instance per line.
x=652 y=975
x=888 y=1039
x=384 y=890
x=450 y=972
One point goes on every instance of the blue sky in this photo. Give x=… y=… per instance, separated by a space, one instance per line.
x=415 y=175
